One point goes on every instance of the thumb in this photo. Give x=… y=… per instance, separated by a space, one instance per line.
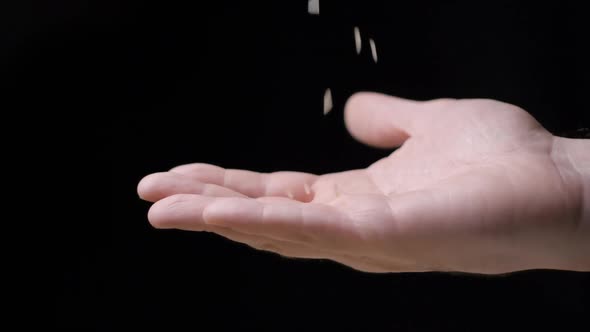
x=386 y=122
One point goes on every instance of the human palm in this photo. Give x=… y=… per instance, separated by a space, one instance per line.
x=474 y=187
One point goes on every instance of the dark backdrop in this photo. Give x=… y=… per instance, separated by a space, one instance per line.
x=155 y=84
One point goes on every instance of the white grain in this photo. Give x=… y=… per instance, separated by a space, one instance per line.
x=373 y=50
x=290 y=194
x=328 y=104
x=357 y=40
x=313 y=7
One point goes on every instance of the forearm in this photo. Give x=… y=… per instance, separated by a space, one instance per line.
x=572 y=157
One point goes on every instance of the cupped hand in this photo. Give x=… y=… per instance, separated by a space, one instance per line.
x=477 y=186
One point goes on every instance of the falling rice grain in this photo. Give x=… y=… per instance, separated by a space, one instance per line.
x=373 y=50
x=313 y=7
x=328 y=101
x=290 y=194
x=357 y=40
x=307 y=189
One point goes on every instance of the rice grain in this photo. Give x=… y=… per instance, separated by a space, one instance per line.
x=357 y=40
x=313 y=7
x=328 y=104
x=373 y=50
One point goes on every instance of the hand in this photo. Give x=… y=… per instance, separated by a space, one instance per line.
x=477 y=186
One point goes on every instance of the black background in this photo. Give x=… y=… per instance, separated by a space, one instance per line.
x=240 y=84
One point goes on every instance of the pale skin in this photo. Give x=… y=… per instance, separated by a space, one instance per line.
x=477 y=186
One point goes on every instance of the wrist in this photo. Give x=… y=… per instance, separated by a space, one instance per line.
x=572 y=159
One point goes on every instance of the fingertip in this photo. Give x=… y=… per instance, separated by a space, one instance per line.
x=370 y=118
x=146 y=187
x=155 y=216
x=363 y=99
x=164 y=212
x=358 y=100
x=352 y=110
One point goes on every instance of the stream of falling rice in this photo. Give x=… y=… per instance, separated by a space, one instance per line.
x=313 y=7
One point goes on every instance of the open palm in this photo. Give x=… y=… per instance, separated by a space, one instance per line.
x=477 y=186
